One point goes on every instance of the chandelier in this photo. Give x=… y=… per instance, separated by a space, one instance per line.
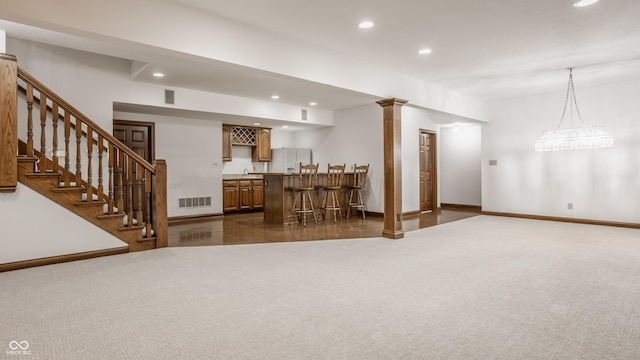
x=569 y=138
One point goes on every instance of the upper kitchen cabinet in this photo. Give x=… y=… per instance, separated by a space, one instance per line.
x=226 y=142
x=262 y=151
x=258 y=138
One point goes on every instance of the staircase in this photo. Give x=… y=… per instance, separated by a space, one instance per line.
x=78 y=165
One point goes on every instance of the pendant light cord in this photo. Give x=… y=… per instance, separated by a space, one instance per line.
x=574 y=102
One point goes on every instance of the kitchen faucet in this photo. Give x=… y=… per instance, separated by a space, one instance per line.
x=246 y=171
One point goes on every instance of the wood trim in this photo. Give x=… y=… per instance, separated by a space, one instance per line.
x=152 y=133
x=374 y=214
x=37 y=85
x=8 y=123
x=36 y=100
x=564 y=219
x=62 y=258
x=391 y=110
x=160 y=200
x=188 y=219
x=462 y=207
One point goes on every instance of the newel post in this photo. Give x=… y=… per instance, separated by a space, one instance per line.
x=160 y=203
x=392 y=167
x=8 y=123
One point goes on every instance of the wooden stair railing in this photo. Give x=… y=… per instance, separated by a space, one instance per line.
x=108 y=172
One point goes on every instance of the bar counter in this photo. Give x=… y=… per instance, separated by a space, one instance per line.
x=279 y=195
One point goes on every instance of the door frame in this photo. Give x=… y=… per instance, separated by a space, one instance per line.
x=151 y=132
x=434 y=149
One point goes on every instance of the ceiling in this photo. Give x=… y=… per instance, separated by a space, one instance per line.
x=487 y=49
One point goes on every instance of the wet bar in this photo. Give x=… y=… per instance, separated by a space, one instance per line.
x=279 y=195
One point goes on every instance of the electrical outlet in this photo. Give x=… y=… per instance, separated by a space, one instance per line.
x=570 y=206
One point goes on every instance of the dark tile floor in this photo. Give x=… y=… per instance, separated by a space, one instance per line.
x=249 y=228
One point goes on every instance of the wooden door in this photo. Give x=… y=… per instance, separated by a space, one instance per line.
x=137 y=136
x=428 y=185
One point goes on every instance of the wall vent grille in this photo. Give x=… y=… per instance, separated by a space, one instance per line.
x=190 y=202
x=169 y=97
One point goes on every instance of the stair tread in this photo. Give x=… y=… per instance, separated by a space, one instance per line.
x=25 y=158
x=91 y=203
x=68 y=189
x=44 y=174
x=111 y=216
x=131 y=228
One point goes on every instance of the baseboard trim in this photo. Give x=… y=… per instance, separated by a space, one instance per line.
x=62 y=258
x=563 y=219
x=412 y=213
x=373 y=214
x=462 y=207
x=193 y=218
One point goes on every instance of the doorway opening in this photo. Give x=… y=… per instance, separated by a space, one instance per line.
x=428 y=171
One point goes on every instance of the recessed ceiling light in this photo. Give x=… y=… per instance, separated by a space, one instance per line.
x=583 y=3
x=275 y=97
x=285 y=126
x=365 y=25
x=313 y=103
x=158 y=74
x=424 y=51
x=256 y=124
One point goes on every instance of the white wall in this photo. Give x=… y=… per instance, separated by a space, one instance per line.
x=460 y=156
x=413 y=120
x=3 y=41
x=282 y=138
x=193 y=151
x=241 y=160
x=94 y=82
x=49 y=232
x=356 y=138
x=602 y=184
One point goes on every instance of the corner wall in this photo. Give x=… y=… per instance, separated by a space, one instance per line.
x=460 y=160
x=35 y=227
x=602 y=184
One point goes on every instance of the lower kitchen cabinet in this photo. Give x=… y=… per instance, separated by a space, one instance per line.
x=240 y=195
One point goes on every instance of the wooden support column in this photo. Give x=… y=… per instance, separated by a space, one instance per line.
x=8 y=123
x=392 y=167
x=160 y=203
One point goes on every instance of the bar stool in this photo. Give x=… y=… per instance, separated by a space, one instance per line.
x=330 y=199
x=306 y=184
x=359 y=180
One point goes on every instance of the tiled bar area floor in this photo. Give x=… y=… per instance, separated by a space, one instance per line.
x=250 y=228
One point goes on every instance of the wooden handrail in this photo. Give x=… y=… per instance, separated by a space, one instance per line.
x=36 y=100
x=135 y=189
x=83 y=118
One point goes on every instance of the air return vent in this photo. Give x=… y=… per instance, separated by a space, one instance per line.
x=304 y=114
x=169 y=97
x=194 y=202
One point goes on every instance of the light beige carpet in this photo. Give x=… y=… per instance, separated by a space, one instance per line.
x=480 y=288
